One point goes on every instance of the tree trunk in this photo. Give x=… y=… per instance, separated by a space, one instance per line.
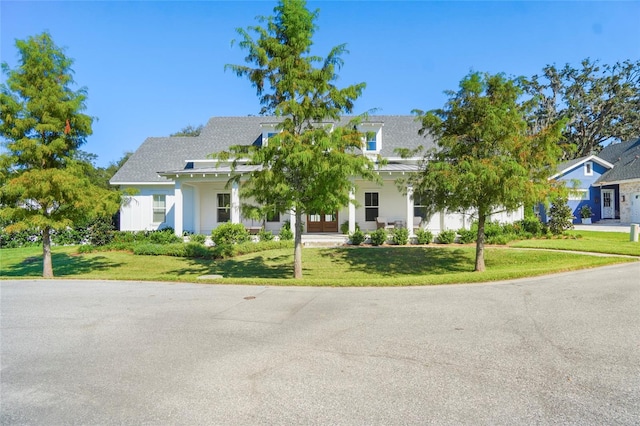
x=480 y=243
x=297 y=251
x=47 y=267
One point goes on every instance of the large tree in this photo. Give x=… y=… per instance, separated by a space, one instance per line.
x=309 y=164
x=486 y=160
x=600 y=103
x=42 y=126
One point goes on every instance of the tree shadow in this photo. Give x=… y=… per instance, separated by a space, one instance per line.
x=396 y=261
x=63 y=265
x=255 y=267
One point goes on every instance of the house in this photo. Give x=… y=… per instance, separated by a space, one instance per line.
x=609 y=183
x=177 y=184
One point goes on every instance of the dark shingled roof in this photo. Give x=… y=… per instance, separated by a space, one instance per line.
x=171 y=153
x=625 y=158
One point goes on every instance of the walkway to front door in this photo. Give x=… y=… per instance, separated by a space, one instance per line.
x=322 y=222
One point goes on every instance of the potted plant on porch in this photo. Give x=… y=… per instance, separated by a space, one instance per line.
x=585 y=214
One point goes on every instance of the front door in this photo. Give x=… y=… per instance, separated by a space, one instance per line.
x=608 y=208
x=322 y=222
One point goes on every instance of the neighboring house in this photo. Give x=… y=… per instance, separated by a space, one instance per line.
x=609 y=183
x=178 y=185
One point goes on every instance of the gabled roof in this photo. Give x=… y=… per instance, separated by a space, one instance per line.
x=572 y=164
x=625 y=157
x=159 y=155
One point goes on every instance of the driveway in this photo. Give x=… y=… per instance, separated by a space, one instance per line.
x=563 y=349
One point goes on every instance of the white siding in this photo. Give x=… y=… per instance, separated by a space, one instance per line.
x=136 y=214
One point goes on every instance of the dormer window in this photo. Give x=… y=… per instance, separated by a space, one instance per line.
x=588 y=168
x=269 y=130
x=372 y=141
x=372 y=137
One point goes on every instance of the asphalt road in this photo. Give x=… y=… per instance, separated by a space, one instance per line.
x=563 y=349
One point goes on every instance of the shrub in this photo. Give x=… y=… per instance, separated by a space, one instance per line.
x=100 y=232
x=532 y=225
x=501 y=239
x=196 y=250
x=286 y=234
x=378 y=237
x=357 y=237
x=447 y=237
x=197 y=238
x=467 y=236
x=561 y=216
x=400 y=236
x=230 y=233
x=424 y=236
x=265 y=235
x=344 y=227
x=164 y=236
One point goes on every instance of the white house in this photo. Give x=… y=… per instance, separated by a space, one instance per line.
x=178 y=185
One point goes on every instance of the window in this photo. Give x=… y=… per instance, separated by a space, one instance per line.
x=578 y=194
x=273 y=216
x=371 y=206
x=419 y=206
x=224 y=208
x=588 y=168
x=159 y=208
x=372 y=141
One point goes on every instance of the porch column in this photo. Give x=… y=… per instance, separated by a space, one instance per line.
x=235 y=203
x=292 y=220
x=410 y=210
x=178 y=209
x=352 y=211
x=196 y=208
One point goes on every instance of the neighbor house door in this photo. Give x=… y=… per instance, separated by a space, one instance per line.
x=608 y=204
x=322 y=222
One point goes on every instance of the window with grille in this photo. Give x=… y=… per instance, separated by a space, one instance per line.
x=224 y=208
x=159 y=208
x=371 y=206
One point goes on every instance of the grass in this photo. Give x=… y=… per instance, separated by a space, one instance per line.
x=343 y=266
x=587 y=241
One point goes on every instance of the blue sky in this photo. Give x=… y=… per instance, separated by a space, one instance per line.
x=152 y=67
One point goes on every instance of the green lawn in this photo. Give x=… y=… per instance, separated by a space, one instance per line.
x=589 y=241
x=348 y=266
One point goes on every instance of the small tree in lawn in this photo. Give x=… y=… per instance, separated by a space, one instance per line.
x=42 y=171
x=485 y=160
x=309 y=165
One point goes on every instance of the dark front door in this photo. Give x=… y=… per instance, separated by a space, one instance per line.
x=322 y=222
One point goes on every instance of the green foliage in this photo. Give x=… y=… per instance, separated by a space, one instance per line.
x=230 y=233
x=532 y=225
x=189 y=131
x=486 y=158
x=265 y=235
x=44 y=181
x=447 y=236
x=344 y=227
x=164 y=236
x=307 y=166
x=357 y=237
x=600 y=102
x=467 y=236
x=561 y=217
x=424 y=236
x=585 y=212
x=285 y=233
x=100 y=231
x=197 y=238
x=400 y=236
x=378 y=237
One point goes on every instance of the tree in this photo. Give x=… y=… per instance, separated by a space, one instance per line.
x=485 y=159
x=42 y=125
x=601 y=103
x=309 y=164
x=189 y=130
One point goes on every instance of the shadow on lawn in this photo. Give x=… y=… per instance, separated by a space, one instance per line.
x=63 y=265
x=255 y=267
x=394 y=261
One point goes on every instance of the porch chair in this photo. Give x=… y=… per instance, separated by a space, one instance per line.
x=381 y=222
